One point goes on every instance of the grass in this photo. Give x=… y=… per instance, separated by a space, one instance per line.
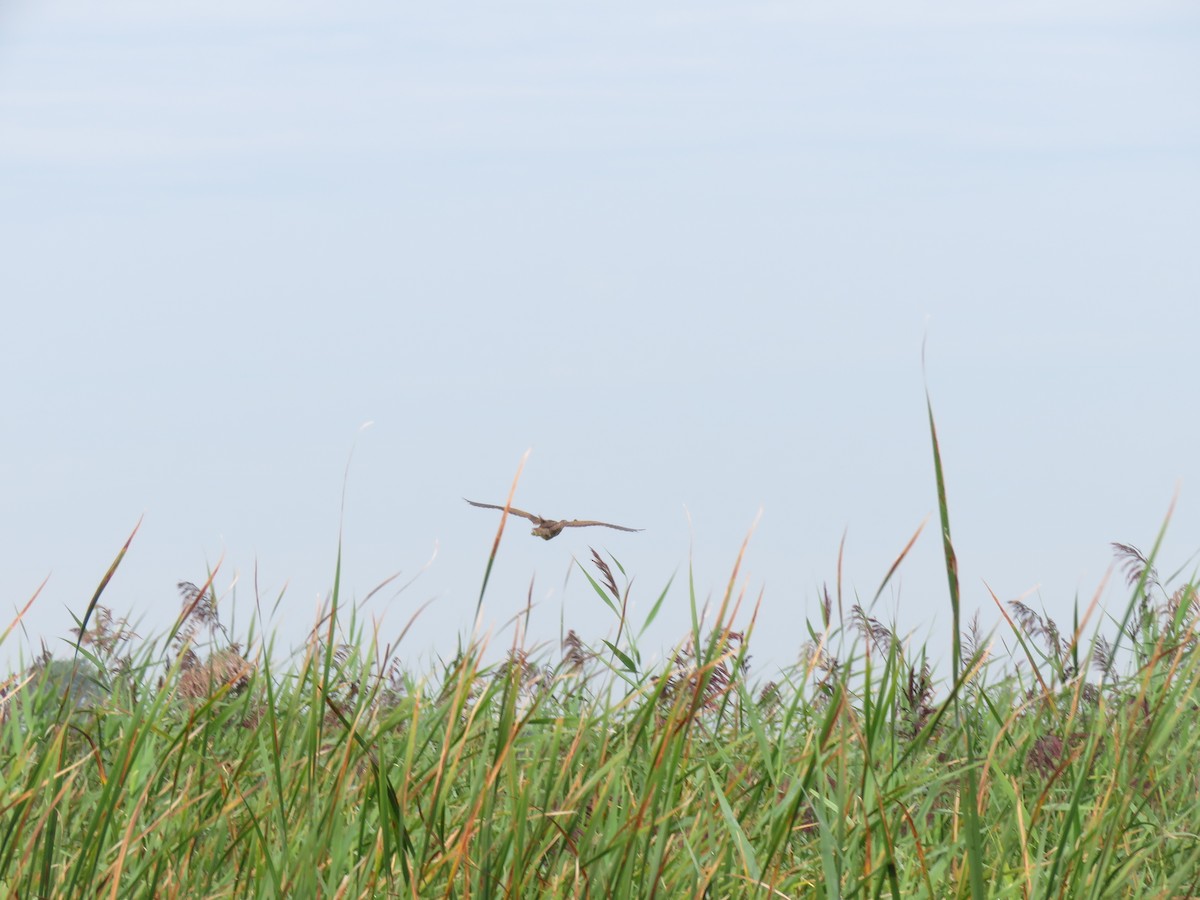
x=1068 y=766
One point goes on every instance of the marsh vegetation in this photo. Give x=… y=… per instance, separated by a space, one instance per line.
x=1049 y=760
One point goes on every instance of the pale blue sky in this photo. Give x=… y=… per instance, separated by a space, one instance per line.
x=686 y=252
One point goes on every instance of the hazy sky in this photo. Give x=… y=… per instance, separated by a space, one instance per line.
x=686 y=252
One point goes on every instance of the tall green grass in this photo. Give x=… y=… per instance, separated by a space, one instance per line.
x=191 y=765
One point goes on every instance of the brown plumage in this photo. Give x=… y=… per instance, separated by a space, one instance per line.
x=549 y=528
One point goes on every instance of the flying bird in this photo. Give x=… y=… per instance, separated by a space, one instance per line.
x=549 y=528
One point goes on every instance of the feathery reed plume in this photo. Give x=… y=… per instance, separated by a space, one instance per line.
x=529 y=679
x=1183 y=598
x=1103 y=657
x=1030 y=622
x=1045 y=755
x=814 y=658
x=575 y=657
x=1135 y=565
x=199 y=610
x=770 y=697
x=394 y=686
x=226 y=668
x=972 y=643
x=916 y=699
x=871 y=628
x=105 y=633
x=688 y=672
x=606 y=575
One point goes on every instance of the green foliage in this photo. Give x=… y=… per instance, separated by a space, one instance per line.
x=189 y=767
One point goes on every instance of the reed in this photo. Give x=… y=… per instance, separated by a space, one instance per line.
x=194 y=764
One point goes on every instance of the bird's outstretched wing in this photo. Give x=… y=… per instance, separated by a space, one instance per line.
x=512 y=509
x=582 y=523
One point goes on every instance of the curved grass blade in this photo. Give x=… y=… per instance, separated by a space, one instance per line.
x=104 y=583
x=487 y=573
x=974 y=834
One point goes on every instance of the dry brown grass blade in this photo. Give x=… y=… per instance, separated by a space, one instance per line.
x=24 y=609
x=737 y=565
x=899 y=559
x=724 y=614
x=500 y=530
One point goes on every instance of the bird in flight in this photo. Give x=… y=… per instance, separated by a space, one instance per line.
x=549 y=528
